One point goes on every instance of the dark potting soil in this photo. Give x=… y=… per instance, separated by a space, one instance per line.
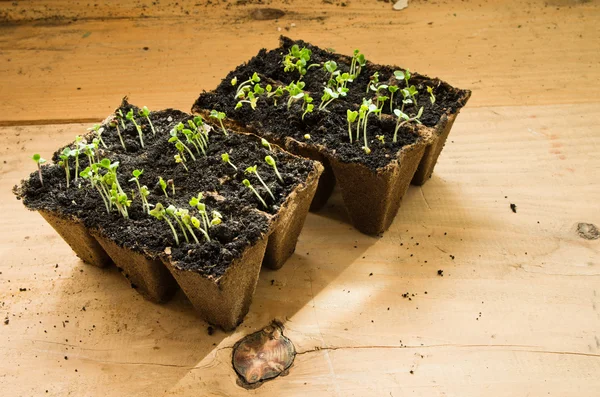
x=329 y=127
x=220 y=184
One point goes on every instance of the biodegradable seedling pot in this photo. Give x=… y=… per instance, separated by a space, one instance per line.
x=74 y=232
x=221 y=273
x=322 y=134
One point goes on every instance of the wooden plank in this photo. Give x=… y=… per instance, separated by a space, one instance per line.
x=517 y=311
x=70 y=63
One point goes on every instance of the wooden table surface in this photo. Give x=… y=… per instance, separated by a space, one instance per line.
x=517 y=311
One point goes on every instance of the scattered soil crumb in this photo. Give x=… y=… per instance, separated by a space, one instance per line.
x=513 y=207
x=440 y=273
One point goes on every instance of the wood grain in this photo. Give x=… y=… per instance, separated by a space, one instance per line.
x=517 y=311
x=64 y=63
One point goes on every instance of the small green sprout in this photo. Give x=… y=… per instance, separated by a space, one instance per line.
x=295 y=92
x=380 y=138
x=173 y=212
x=246 y=183
x=186 y=220
x=250 y=99
x=358 y=62
x=309 y=109
x=307 y=136
x=371 y=108
x=271 y=161
x=119 y=115
x=329 y=95
x=146 y=113
x=225 y=158
x=403 y=118
x=246 y=84
x=143 y=192
x=392 y=89
x=160 y=213
x=266 y=144
x=120 y=200
x=219 y=116
x=179 y=145
x=129 y=116
x=39 y=161
x=253 y=170
x=179 y=159
x=64 y=162
x=115 y=124
x=297 y=59
x=278 y=93
x=163 y=185
x=217 y=218
x=431 y=95
x=331 y=67
x=98 y=130
x=373 y=81
x=405 y=75
x=351 y=117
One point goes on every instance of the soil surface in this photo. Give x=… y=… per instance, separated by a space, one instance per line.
x=244 y=217
x=329 y=127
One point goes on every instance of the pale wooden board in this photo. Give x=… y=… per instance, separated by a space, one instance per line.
x=536 y=285
x=507 y=52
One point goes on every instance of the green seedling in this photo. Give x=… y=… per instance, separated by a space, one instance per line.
x=329 y=95
x=129 y=116
x=297 y=59
x=250 y=99
x=217 y=218
x=380 y=102
x=246 y=84
x=160 y=213
x=119 y=115
x=219 y=116
x=197 y=134
x=309 y=109
x=358 y=62
x=373 y=81
x=146 y=113
x=179 y=145
x=143 y=192
x=225 y=158
x=247 y=183
x=405 y=75
x=64 y=162
x=39 y=161
x=253 y=170
x=307 y=137
x=403 y=119
x=266 y=144
x=115 y=124
x=179 y=159
x=163 y=185
x=186 y=220
x=278 y=93
x=271 y=161
x=431 y=95
x=98 y=130
x=366 y=108
x=120 y=200
x=89 y=173
x=196 y=202
x=331 y=68
x=295 y=92
x=351 y=117
x=173 y=212
x=380 y=138
x=392 y=89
